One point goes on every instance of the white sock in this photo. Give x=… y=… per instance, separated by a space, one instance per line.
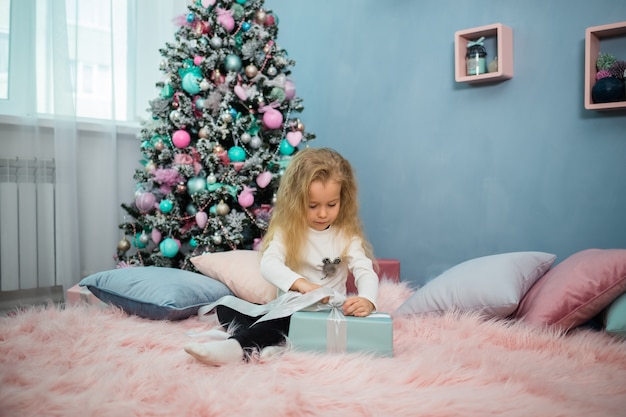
x=216 y=353
x=269 y=352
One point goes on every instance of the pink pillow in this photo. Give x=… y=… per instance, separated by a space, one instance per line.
x=577 y=289
x=240 y=271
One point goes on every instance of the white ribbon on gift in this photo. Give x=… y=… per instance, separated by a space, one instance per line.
x=336 y=331
x=283 y=306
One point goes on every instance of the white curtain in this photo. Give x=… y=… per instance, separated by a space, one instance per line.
x=94 y=158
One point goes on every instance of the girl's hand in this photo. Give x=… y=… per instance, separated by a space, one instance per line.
x=358 y=307
x=304 y=286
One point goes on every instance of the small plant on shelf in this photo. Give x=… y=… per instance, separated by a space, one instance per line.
x=610 y=75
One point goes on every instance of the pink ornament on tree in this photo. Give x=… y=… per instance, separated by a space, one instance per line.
x=241 y=92
x=145 y=202
x=246 y=198
x=208 y=3
x=290 y=90
x=156 y=235
x=197 y=60
x=225 y=18
x=201 y=219
x=263 y=179
x=272 y=118
x=294 y=138
x=181 y=139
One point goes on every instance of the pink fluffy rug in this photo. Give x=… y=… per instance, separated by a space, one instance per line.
x=89 y=361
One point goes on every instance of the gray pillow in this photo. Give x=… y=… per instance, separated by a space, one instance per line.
x=156 y=293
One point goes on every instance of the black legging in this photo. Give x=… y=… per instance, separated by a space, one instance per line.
x=266 y=333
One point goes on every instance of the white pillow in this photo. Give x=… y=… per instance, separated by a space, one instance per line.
x=240 y=271
x=492 y=285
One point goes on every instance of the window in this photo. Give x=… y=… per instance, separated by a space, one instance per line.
x=106 y=52
x=96 y=33
x=5 y=6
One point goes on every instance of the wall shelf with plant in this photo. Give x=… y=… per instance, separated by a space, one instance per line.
x=605 y=70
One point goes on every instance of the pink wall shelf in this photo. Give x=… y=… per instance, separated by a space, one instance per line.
x=593 y=38
x=504 y=40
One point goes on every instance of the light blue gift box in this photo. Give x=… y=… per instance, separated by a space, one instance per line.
x=318 y=331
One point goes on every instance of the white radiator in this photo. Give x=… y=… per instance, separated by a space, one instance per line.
x=27 y=227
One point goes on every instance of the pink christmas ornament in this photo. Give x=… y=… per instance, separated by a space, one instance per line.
x=237 y=165
x=197 y=60
x=201 y=219
x=294 y=138
x=208 y=3
x=272 y=118
x=225 y=18
x=145 y=202
x=156 y=235
x=263 y=179
x=181 y=139
x=241 y=92
x=290 y=90
x=246 y=198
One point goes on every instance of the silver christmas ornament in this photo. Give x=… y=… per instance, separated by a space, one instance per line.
x=256 y=142
x=215 y=42
x=143 y=238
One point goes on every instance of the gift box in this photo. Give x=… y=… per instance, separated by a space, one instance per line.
x=78 y=294
x=331 y=331
x=387 y=268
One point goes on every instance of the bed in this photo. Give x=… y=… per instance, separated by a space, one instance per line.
x=90 y=360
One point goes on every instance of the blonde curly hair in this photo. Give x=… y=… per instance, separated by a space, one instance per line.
x=292 y=201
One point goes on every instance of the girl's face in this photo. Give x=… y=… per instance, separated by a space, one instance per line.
x=324 y=204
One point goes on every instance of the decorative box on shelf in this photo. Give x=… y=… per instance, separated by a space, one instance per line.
x=81 y=295
x=388 y=269
x=503 y=36
x=317 y=331
x=597 y=40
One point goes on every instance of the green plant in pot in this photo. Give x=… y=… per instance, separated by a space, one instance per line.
x=609 y=86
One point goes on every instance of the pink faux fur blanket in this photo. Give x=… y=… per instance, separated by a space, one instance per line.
x=88 y=361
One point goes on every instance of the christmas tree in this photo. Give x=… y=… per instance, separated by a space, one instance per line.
x=223 y=129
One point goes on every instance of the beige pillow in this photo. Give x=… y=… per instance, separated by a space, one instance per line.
x=239 y=270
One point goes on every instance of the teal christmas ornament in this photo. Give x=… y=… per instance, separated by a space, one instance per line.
x=138 y=241
x=169 y=247
x=191 y=209
x=195 y=185
x=232 y=62
x=237 y=154
x=167 y=91
x=165 y=206
x=241 y=1
x=191 y=83
x=246 y=26
x=191 y=76
x=285 y=148
x=190 y=17
x=193 y=242
x=237 y=10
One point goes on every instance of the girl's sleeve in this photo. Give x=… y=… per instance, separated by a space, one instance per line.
x=273 y=266
x=362 y=268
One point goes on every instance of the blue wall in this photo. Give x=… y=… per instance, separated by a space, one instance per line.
x=450 y=171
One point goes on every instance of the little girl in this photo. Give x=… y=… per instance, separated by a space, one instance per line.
x=314 y=239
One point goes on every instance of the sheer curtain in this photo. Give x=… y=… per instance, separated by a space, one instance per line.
x=94 y=157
